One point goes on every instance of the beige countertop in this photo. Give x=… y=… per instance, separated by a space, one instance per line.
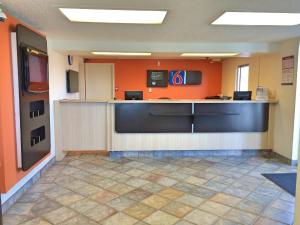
x=163 y=101
x=84 y=100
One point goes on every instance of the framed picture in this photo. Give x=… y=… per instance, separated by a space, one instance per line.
x=288 y=70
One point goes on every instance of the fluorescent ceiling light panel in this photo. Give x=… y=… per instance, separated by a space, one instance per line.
x=210 y=54
x=258 y=19
x=114 y=16
x=122 y=53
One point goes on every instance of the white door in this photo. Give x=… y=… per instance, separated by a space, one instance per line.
x=99 y=81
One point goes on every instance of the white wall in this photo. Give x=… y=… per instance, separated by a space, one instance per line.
x=269 y=76
x=58 y=65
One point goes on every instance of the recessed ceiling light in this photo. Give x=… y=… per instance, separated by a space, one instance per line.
x=122 y=53
x=210 y=54
x=258 y=18
x=114 y=16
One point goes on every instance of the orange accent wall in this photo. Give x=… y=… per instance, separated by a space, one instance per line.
x=9 y=174
x=131 y=74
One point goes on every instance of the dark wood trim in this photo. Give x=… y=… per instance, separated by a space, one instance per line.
x=88 y=152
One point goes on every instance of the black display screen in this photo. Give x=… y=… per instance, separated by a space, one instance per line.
x=72 y=81
x=157 y=78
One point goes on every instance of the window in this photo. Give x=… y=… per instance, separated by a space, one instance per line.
x=242 y=78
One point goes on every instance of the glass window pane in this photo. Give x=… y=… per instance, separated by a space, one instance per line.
x=242 y=79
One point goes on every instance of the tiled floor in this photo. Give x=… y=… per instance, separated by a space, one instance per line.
x=90 y=189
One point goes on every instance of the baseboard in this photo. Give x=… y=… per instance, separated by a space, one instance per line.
x=17 y=195
x=189 y=153
x=96 y=152
x=285 y=159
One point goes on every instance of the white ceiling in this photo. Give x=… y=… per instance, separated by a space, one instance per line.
x=186 y=27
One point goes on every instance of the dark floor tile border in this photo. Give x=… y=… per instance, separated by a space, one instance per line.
x=14 y=198
x=189 y=153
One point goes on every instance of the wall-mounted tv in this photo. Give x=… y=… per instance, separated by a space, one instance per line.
x=157 y=78
x=185 y=77
x=72 y=81
x=193 y=77
x=35 y=70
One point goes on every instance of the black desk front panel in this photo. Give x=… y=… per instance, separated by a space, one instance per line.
x=231 y=117
x=180 y=118
x=153 y=118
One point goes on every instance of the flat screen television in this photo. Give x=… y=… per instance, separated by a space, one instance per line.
x=72 y=81
x=35 y=71
x=157 y=78
x=193 y=77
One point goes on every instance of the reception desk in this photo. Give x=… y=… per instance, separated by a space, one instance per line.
x=165 y=125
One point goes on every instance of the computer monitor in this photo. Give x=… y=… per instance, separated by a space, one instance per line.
x=242 y=95
x=133 y=95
